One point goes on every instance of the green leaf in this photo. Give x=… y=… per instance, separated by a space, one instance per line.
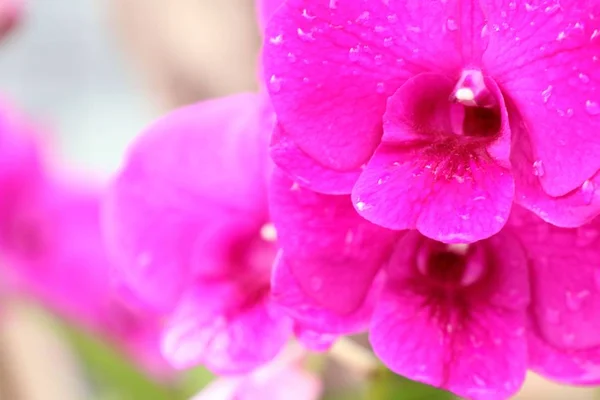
x=385 y=385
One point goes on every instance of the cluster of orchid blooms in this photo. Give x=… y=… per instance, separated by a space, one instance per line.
x=424 y=171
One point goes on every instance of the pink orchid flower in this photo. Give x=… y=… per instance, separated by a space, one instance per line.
x=52 y=250
x=281 y=379
x=188 y=225
x=437 y=116
x=467 y=318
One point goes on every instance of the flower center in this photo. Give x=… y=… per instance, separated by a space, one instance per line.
x=450 y=266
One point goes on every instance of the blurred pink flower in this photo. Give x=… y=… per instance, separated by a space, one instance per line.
x=281 y=379
x=436 y=116
x=10 y=13
x=52 y=249
x=188 y=225
x=467 y=318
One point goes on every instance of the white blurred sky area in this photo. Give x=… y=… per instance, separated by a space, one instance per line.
x=63 y=66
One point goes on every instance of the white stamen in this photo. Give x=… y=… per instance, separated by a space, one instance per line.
x=458 y=248
x=268 y=232
x=465 y=95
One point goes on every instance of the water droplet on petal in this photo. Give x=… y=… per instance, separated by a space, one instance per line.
x=574 y=301
x=353 y=54
x=380 y=88
x=538 y=168
x=392 y=18
x=592 y=107
x=546 y=93
x=588 y=189
x=332 y=4
x=583 y=77
x=451 y=24
x=305 y=36
x=275 y=83
x=595 y=34
x=276 y=39
x=388 y=42
x=485 y=32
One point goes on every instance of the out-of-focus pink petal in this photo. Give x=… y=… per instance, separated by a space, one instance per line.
x=282 y=379
x=10 y=13
x=188 y=179
x=333 y=253
x=574 y=367
x=52 y=248
x=570 y=210
x=308 y=172
x=304 y=310
x=471 y=343
x=331 y=65
x=544 y=56
x=564 y=279
x=218 y=325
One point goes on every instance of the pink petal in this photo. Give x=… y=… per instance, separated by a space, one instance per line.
x=287 y=293
x=480 y=355
x=332 y=64
x=552 y=77
x=332 y=252
x=574 y=367
x=308 y=172
x=167 y=205
x=281 y=379
x=394 y=191
x=564 y=271
x=214 y=325
x=570 y=210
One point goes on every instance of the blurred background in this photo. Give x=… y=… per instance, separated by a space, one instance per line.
x=94 y=73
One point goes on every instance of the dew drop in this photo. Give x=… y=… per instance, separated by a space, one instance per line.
x=349 y=237
x=378 y=59
x=360 y=206
x=583 y=77
x=538 y=168
x=451 y=24
x=364 y=17
x=275 y=83
x=388 y=42
x=552 y=9
x=392 y=18
x=380 y=88
x=353 y=54
x=276 y=39
x=291 y=57
x=332 y=4
x=307 y=15
x=485 y=32
x=546 y=93
x=588 y=189
x=595 y=34
x=592 y=107
x=574 y=301
x=305 y=36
